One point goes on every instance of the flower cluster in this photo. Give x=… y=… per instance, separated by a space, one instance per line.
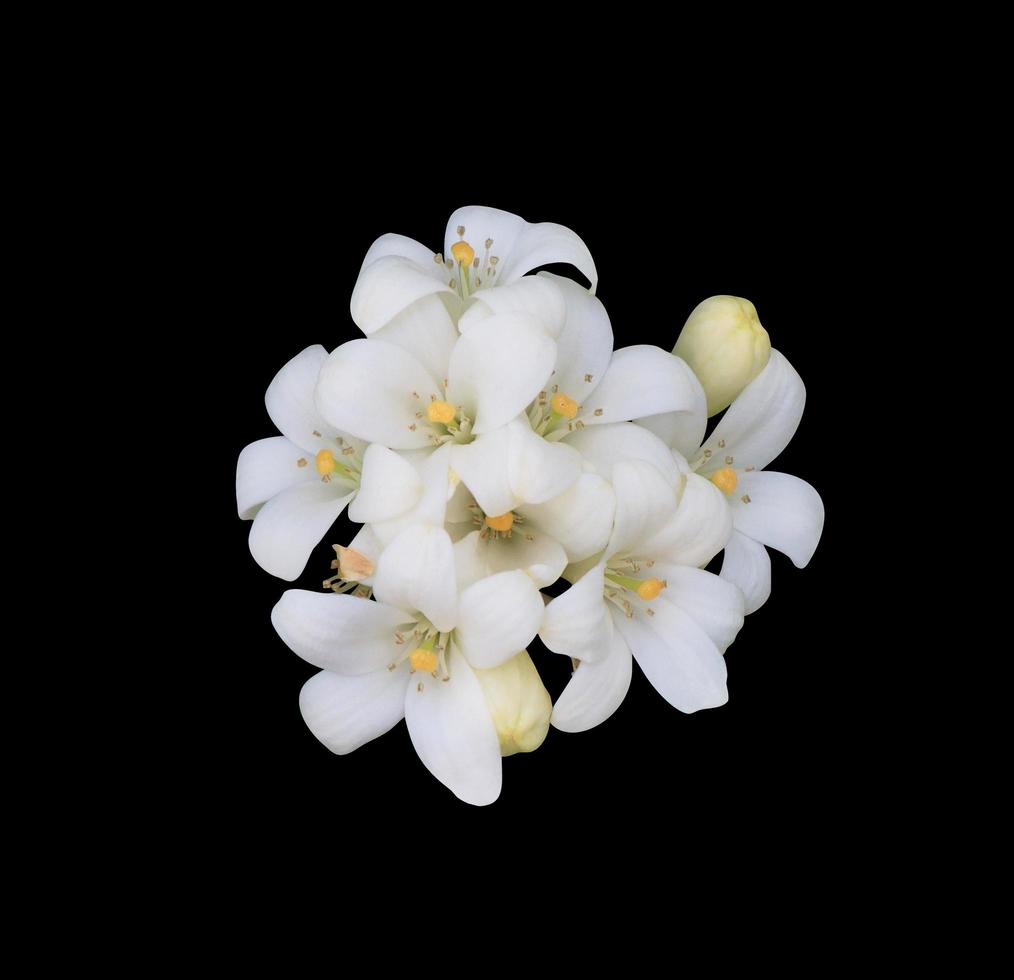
x=490 y=441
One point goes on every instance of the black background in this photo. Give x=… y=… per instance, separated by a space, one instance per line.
x=277 y=262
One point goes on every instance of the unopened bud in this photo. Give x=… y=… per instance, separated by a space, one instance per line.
x=518 y=703
x=726 y=347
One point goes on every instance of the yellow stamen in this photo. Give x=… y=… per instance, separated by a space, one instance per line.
x=650 y=588
x=463 y=253
x=504 y=522
x=564 y=406
x=725 y=479
x=325 y=462
x=424 y=660
x=442 y=412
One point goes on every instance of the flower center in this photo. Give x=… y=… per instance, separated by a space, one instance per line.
x=725 y=479
x=424 y=660
x=467 y=270
x=343 y=466
x=426 y=655
x=325 y=462
x=564 y=406
x=502 y=522
x=621 y=586
x=647 y=588
x=442 y=412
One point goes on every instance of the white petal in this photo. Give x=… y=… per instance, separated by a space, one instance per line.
x=698 y=530
x=497 y=617
x=602 y=446
x=267 y=467
x=595 y=690
x=369 y=388
x=677 y=657
x=346 y=712
x=425 y=329
x=453 y=733
x=340 y=633
x=530 y=551
x=715 y=604
x=537 y=297
x=407 y=248
x=391 y=283
x=575 y=622
x=760 y=422
x=585 y=344
x=290 y=403
x=580 y=518
x=747 y=564
x=640 y=381
x=682 y=431
x=498 y=367
x=539 y=470
x=784 y=513
x=483 y=468
x=437 y=487
x=645 y=502
x=389 y=486
x=289 y=526
x=519 y=246
x=416 y=571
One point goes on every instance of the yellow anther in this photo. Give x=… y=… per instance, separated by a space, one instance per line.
x=424 y=660
x=503 y=522
x=725 y=479
x=564 y=406
x=442 y=412
x=325 y=462
x=650 y=588
x=463 y=253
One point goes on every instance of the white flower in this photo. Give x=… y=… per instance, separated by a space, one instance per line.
x=773 y=509
x=646 y=596
x=382 y=662
x=483 y=247
x=295 y=485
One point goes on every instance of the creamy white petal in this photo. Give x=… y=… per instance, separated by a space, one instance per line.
x=431 y=508
x=518 y=245
x=267 y=467
x=425 y=329
x=532 y=295
x=340 y=633
x=290 y=402
x=783 y=512
x=483 y=466
x=585 y=344
x=640 y=381
x=759 y=424
x=716 y=605
x=389 y=486
x=677 y=657
x=574 y=622
x=346 y=712
x=602 y=446
x=416 y=571
x=391 y=283
x=452 y=731
x=595 y=690
x=747 y=564
x=682 y=431
x=370 y=388
x=580 y=518
x=698 y=530
x=497 y=617
x=406 y=248
x=539 y=470
x=498 y=367
x=289 y=526
x=645 y=502
x=528 y=550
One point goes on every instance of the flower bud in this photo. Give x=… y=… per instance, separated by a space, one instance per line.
x=518 y=703
x=726 y=347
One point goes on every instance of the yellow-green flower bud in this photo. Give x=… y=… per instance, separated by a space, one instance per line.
x=518 y=702
x=726 y=347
